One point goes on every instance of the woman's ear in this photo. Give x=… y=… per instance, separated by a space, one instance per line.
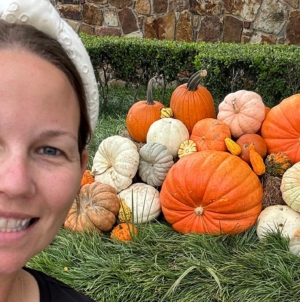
x=84 y=160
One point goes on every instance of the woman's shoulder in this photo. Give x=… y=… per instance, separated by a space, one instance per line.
x=52 y=289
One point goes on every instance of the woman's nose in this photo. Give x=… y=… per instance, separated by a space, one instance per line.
x=16 y=177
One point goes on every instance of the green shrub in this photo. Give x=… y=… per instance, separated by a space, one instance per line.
x=271 y=70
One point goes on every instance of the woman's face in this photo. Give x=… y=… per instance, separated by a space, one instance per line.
x=40 y=167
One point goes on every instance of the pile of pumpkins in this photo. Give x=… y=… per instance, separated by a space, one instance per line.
x=201 y=168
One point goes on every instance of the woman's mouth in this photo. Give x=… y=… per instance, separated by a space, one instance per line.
x=14 y=225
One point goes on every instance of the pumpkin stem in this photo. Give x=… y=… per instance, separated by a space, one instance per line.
x=150 y=92
x=235 y=108
x=194 y=80
x=199 y=211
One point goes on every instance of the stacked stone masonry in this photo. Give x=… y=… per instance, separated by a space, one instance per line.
x=239 y=21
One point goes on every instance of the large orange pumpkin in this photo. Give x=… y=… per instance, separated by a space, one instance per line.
x=192 y=102
x=210 y=134
x=281 y=128
x=142 y=114
x=259 y=143
x=211 y=192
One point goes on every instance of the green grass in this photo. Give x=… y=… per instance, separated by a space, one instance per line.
x=163 y=265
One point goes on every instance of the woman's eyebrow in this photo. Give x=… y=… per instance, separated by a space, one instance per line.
x=57 y=133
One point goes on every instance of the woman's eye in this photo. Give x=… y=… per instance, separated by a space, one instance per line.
x=49 y=151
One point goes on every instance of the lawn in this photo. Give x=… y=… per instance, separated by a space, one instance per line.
x=163 y=265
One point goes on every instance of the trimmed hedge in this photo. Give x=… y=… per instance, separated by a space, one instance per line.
x=273 y=71
x=127 y=56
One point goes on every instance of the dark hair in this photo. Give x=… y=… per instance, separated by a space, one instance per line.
x=29 y=38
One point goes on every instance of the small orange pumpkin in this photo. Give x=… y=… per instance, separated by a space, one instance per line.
x=191 y=102
x=123 y=231
x=245 y=140
x=142 y=114
x=87 y=178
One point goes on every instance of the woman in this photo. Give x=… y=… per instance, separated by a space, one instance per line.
x=44 y=129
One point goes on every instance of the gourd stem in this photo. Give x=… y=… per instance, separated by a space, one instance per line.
x=149 y=91
x=195 y=79
x=235 y=108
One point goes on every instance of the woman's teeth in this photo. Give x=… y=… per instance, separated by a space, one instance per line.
x=13 y=225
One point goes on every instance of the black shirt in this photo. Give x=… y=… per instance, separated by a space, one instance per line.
x=53 y=290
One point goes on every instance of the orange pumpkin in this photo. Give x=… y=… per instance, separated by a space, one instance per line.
x=243 y=111
x=124 y=231
x=267 y=109
x=245 y=140
x=191 y=102
x=211 y=192
x=142 y=114
x=210 y=134
x=87 y=178
x=281 y=128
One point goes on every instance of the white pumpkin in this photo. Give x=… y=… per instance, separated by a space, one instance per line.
x=169 y=132
x=155 y=162
x=290 y=187
x=278 y=218
x=294 y=244
x=143 y=200
x=116 y=162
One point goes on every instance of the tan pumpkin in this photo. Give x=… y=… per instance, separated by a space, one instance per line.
x=116 y=162
x=155 y=162
x=95 y=209
x=290 y=187
x=169 y=132
x=144 y=202
x=209 y=134
x=243 y=111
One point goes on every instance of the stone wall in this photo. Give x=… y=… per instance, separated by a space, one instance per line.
x=246 y=21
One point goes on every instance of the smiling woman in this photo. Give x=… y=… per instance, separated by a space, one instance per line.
x=45 y=118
